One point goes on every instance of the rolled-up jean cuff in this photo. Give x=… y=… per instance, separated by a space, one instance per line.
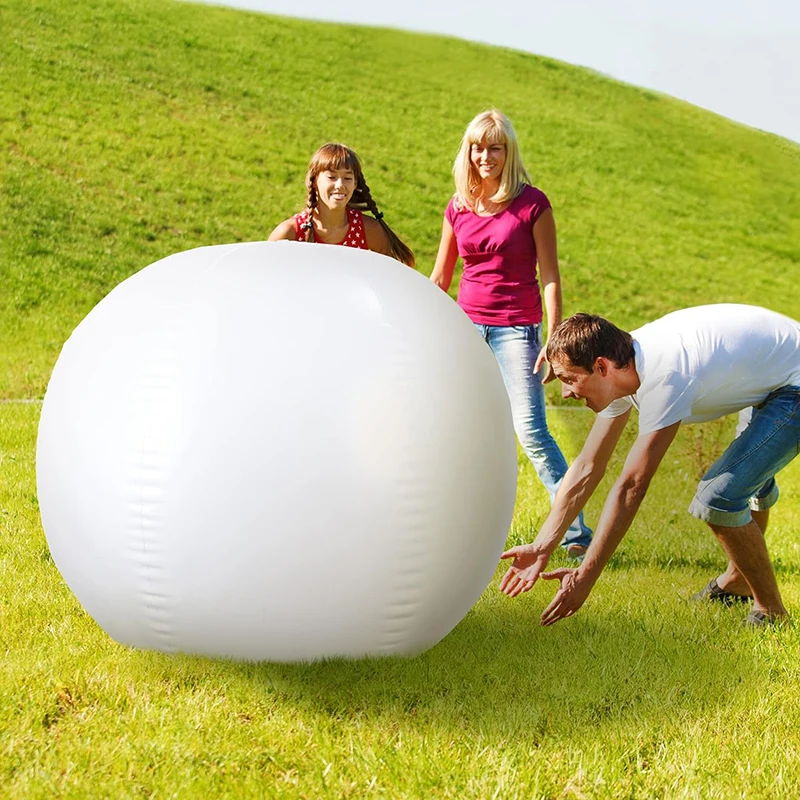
x=766 y=502
x=725 y=519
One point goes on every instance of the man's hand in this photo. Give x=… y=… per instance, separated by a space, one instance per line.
x=529 y=561
x=575 y=588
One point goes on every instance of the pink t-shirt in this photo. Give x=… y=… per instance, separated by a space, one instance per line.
x=499 y=284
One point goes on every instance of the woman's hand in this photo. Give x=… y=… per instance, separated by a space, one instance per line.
x=548 y=372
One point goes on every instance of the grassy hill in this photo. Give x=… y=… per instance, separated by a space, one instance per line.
x=132 y=129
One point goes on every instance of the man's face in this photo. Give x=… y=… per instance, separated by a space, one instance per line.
x=595 y=388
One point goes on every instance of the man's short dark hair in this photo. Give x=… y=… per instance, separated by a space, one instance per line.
x=583 y=338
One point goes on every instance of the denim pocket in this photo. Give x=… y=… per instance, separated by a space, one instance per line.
x=531 y=334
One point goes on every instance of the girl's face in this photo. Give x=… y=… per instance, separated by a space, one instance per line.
x=488 y=160
x=335 y=187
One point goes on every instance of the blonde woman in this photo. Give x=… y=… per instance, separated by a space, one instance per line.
x=502 y=227
x=336 y=197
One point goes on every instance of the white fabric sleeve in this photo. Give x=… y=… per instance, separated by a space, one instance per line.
x=667 y=402
x=616 y=408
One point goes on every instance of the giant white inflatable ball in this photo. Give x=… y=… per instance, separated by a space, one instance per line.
x=276 y=451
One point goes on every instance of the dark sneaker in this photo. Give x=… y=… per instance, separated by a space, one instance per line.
x=760 y=619
x=712 y=592
x=576 y=552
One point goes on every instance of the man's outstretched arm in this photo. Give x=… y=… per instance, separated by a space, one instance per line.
x=620 y=508
x=576 y=488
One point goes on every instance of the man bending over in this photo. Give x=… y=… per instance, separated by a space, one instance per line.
x=692 y=365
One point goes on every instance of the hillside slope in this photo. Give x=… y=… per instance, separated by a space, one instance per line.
x=132 y=129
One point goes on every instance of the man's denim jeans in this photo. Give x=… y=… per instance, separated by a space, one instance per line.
x=743 y=478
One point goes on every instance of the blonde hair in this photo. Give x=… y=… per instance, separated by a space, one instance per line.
x=338 y=156
x=491 y=127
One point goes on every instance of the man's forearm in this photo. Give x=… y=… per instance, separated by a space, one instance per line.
x=576 y=488
x=581 y=479
x=625 y=497
x=619 y=510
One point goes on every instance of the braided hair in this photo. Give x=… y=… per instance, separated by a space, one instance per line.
x=307 y=227
x=338 y=156
x=362 y=200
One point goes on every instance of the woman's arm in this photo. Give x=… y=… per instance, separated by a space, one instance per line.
x=442 y=274
x=544 y=237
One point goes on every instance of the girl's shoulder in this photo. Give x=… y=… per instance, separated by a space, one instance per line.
x=377 y=239
x=285 y=230
x=366 y=219
x=369 y=223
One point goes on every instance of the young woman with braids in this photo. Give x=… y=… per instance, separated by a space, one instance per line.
x=336 y=197
x=502 y=227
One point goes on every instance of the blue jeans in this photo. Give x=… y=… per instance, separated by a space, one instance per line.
x=742 y=479
x=516 y=349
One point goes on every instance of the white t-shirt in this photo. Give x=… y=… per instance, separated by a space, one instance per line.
x=705 y=362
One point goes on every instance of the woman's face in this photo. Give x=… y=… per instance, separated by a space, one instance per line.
x=488 y=160
x=335 y=187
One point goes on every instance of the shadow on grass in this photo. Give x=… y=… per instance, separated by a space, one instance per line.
x=639 y=658
x=500 y=674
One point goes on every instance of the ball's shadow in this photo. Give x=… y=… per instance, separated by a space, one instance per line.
x=500 y=671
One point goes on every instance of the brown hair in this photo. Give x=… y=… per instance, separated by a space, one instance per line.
x=339 y=156
x=583 y=338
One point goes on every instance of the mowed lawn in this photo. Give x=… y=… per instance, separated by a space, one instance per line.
x=642 y=694
x=132 y=129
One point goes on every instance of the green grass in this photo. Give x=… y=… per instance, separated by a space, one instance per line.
x=131 y=129
x=640 y=695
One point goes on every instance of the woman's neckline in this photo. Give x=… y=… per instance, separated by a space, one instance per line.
x=496 y=213
x=505 y=206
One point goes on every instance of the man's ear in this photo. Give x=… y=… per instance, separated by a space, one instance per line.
x=601 y=366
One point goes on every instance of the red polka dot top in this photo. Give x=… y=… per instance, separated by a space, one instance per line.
x=355 y=229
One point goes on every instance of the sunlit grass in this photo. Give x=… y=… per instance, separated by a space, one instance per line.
x=642 y=694
x=132 y=129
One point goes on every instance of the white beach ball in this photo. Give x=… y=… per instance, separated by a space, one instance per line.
x=276 y=451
